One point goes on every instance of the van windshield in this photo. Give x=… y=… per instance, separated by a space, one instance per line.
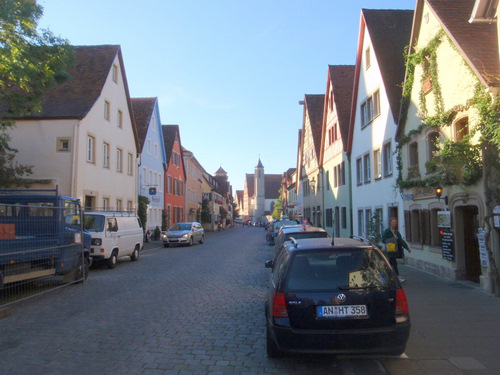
x=94 y=223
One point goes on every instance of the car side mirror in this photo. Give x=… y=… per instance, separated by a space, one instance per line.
x=269 y=264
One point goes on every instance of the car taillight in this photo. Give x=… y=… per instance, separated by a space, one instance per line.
x=401 y=306
x=279 y=306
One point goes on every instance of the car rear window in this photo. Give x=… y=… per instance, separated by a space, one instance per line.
x=338 y=269
x=299 y=235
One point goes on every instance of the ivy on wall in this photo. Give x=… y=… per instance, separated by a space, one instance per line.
x=455 y=163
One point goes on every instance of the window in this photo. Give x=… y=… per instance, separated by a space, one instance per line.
x=359 y=171
x=329 y=217
x=367 y=58
x=176 y=159
x=327 y=180
x=366 y=168
x=105 y=155
x=62 y=144
x=337 y=221
x=461 y=129
x=335 y=177
x=387 y=156
x=169 y=184
x=415 y=225
x=115 y=73
x=120 y=119
x=91 y=149
x=377 y=165
x=105 y=204
x=156 y=150
x=118 y=204
x=434 y=229
x=342 y=173
x=129 y=206
x=379 y=215
x=361 y=222
x=130 y=164
x=343 y=217
x=413 y=170
x=370 y=108
x=119 y=161
x=433 y=140
x=106 y=110
x=368 y=219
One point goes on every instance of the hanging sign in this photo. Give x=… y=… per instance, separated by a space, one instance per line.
x=483 y=252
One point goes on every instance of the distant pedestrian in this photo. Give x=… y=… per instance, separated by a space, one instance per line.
x=394 y=245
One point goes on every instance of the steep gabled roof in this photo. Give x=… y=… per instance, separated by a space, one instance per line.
x=314 y=105
x=74 y=98
x=170 y=134
x=272 y=185
x=342 y=79
x=390 y=32
x=143 y=111
x=477 y=42
x=250 y=184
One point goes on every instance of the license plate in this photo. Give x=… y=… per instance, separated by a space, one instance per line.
x=341 y=311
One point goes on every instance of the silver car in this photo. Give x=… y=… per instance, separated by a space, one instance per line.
x=184 y=234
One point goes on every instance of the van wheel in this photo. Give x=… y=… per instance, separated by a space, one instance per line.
x=202 y=240
x=190 y=241
x=112 y=260
x=135 y=255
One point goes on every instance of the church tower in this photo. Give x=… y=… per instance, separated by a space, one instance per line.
x=260 y=192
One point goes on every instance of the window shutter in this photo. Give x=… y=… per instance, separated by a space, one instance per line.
x=426 y=227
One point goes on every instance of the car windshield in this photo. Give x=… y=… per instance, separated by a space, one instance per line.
x=183 y=226
x=94 y=223
x=338 y=269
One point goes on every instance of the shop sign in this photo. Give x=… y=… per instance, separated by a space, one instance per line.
x=447 y=245
x=483 y=252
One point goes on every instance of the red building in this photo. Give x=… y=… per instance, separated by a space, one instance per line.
x=175 y=175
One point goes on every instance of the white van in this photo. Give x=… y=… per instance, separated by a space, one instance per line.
x=114 y=235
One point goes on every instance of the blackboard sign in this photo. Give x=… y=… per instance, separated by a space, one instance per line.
x=447 y=245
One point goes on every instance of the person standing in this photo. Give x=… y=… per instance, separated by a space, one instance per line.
x=394 y=245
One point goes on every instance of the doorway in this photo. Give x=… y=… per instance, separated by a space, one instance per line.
x=469 y=216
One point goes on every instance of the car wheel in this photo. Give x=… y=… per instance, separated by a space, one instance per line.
x=272 y=349
x=112 y=260
x=190 y=241
x=135 y=255
x=202 y=240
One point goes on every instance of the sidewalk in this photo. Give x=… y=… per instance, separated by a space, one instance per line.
x=455 y=326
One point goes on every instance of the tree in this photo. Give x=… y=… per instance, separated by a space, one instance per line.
x=278 y=207
x=30 y=63
x=142 y=210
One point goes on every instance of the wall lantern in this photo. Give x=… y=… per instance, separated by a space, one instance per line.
x=439 y=193
x=312 y=183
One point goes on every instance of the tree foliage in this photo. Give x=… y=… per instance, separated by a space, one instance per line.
x=31 y=61
x=142 y=210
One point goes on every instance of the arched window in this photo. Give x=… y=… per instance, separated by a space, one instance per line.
x=461 y=129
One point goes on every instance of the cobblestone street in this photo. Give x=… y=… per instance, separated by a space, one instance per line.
x=196 y=310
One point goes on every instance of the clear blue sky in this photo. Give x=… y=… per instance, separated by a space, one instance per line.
x=230 y=73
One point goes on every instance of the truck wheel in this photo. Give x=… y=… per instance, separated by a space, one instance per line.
x=135 y=255
x=112 y=260
x=82 y=271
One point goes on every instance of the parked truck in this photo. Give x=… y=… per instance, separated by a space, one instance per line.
x=42 y=235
